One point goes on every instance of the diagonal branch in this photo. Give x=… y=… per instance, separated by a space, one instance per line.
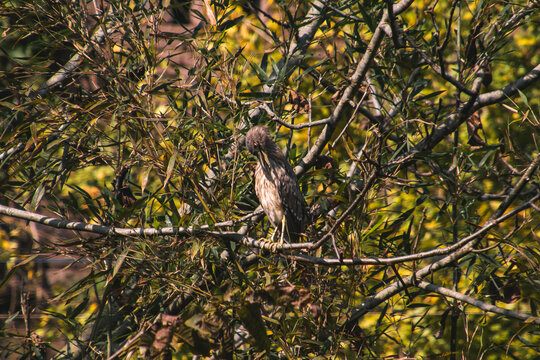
x=73 y=63
x=60 y=76
x=466 y=109
x=509 y=90
x=479 y=304
x=297 y=49
x=356 y=79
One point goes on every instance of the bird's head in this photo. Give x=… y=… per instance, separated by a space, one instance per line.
x=259 y=142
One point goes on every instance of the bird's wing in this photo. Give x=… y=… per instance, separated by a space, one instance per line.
x=293 y=201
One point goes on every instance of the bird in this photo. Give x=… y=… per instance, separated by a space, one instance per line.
x=276 y=186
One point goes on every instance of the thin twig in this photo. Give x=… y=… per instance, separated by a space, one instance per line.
x=279 y=120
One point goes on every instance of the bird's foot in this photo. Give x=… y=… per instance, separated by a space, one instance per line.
x=270 y=244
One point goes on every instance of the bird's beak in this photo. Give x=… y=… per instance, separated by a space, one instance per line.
x=263 y=157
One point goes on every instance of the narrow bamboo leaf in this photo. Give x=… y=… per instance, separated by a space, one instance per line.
x=485 y=158
x=146 y=176
x=15 y=268
x=430 y=95
x=250 y=315
x=229 y=23
x=261 y=74
x=170 y=168
x=79 y=308
x=119 y=262
x=38 y=195
x=524 y=98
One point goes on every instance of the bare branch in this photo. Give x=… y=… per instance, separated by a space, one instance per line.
x=473 y=104
x=297 y=48
x=509 y=90
x=413 y=257
x=452 y=123
x=479 y=304
x=111 y=230
x=240 y=237
x=438 y=69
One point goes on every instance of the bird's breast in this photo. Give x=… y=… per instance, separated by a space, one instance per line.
x=269 y=197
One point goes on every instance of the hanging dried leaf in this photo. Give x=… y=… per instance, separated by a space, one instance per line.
x=298 y=102
x=473 y=125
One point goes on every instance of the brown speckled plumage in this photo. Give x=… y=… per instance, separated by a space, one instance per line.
x=276 y=185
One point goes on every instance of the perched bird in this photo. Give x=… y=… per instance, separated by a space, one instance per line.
x=276 y=186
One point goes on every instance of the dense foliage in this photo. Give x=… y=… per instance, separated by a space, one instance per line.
x=413 y=128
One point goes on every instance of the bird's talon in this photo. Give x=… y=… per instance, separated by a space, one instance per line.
x=268 y=244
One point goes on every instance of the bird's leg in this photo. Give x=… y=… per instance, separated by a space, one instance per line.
x=282 y=235
x=283 y=221
x=273 y=237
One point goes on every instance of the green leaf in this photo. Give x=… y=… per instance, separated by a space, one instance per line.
x=12 y=271
x=309 y=69
x=38 y=195
x=79 y=308
x=430 y=95
x=485 y=158
x=119 y=262
x=250 y=315
x=170 y=168
x=145 y=177
x=261 y=74
x=523 y=98
x=229 y=23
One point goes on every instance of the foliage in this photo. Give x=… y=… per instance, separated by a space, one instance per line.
x=143 y=128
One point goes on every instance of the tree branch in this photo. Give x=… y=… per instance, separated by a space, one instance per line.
x=239 y=237
x=477 y=303
x=297 y=48
x=21 y=146
x=509 y=90
x=356 y=79
x=413 y=257
x=66 y=70
x=279 y=120
x=111 y=230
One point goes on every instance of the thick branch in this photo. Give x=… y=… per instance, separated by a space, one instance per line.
x=509 y=90
x=465 y=110
x=479 y=304
x=110 y=230
x=356 y=80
